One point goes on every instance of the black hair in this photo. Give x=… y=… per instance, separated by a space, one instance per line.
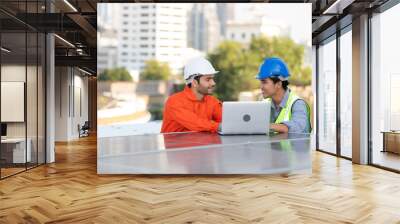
x=197 y=78
x=284 y=83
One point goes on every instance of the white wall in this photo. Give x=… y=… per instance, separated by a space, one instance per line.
x=14 y=73
x=80 y=108
x=33 y=125
x=70 y=84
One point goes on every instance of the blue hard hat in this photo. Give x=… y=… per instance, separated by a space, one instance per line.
x=273 y=67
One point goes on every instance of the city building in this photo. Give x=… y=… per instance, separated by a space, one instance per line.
x=225 y=12
x=151 y=31
x=107 y=53
x=244 y=31
x=203 y=27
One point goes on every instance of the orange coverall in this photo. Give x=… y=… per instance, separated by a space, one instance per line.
x=183 y=112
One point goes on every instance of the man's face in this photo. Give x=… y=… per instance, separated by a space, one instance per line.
x=268 y=87
x=205 y=85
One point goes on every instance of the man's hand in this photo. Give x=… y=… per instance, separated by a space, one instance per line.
x=281 y=128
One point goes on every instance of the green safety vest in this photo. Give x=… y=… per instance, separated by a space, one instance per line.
x=286 y=112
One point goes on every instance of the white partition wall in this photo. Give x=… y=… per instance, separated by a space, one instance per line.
x=22 y=91
x=71 y=102
x=12 y=100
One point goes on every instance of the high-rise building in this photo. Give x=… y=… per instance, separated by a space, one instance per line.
x=151 y=31
x=226 y=12
x=107 y=16
x=203 y=27
x=107 y=51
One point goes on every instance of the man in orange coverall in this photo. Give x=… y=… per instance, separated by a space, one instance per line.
x=194 y=109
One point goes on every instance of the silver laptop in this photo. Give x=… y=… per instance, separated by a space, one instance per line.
x=245 y=118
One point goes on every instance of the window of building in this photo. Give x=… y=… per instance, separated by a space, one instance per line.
x=385 y=87
x=22 y=71
x=346 y=94
x=327 y=96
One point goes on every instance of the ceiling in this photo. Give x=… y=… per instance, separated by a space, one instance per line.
x=76 y=22
x=75 y=43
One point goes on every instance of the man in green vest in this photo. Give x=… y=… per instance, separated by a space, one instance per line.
x=289 y=113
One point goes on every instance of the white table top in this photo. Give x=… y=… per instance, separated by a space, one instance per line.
x=13 y=140
x=203 y=153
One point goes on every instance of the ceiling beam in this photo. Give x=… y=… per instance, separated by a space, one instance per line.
x=81 y=61
x=84 y=24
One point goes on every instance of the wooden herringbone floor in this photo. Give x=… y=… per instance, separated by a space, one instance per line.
x=70 y=191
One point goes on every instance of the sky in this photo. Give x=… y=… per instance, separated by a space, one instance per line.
x=296 y=16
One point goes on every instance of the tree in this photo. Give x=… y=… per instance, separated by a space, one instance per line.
x=155 y=70
x=115 y=74
x=283 y=47
x=238 y=65
x=236 y=70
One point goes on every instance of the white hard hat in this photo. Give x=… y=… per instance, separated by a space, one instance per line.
x=197 y=66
